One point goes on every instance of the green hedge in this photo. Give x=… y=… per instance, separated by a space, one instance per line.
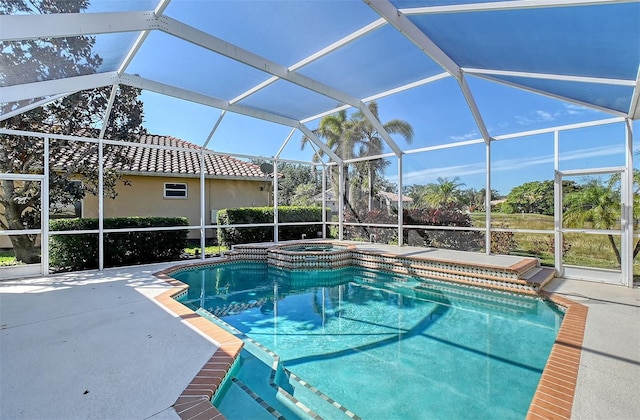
x=75 y=252
x=247 y=215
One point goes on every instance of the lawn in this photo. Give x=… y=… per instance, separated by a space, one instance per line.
x=581 y=249
x=7 y=257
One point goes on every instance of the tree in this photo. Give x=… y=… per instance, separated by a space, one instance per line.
x=443 y=193
x=355 y=136
x=45 y=59
x=596 y=204
x=78 y=114
x=535 y=197
x=293 y=176
x=372 y=144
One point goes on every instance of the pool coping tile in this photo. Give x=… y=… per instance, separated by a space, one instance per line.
x=556 y=389
x=194 y=403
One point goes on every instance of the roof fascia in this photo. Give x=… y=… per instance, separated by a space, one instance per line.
x=506 y=5
x=58 y=86
x=388 y=11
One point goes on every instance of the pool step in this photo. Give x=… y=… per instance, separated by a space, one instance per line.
x=277 y=387
x=241 y=403
x=325 y=406
x=255 y=377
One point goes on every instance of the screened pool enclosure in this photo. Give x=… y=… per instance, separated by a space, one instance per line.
x=534 y=101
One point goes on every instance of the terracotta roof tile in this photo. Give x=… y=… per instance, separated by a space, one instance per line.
x=146 y=160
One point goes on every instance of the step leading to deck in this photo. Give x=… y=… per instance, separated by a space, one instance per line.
x=520 y=276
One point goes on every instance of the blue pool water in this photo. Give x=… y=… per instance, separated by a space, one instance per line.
x=388 y=346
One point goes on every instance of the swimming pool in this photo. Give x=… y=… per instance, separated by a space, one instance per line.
x=384 y=345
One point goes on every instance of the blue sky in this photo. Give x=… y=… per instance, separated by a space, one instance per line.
x=437 y=111
x=513 y=161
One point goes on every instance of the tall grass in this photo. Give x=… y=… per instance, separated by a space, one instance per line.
x=586 y=250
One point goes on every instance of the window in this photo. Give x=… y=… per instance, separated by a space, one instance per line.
x=175 y=190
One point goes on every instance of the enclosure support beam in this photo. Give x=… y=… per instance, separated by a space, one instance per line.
x=341 y=202
x=33 y=105
x=396 y=18
x=107 y=112
x=100 y=205
x=214 y=129
x=324 y=202
x=400 y=204
x=55 y=87
x=275 y=201
x=626 y=189
x=203 y=205
x=160 y=8
x=44 y=204
x=557 y=208
x=284 y=144
x=487 y=200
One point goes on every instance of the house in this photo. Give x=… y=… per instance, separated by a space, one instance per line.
x=384 y=200
x=167 y=183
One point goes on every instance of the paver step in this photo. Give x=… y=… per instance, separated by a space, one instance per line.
x=540 y=276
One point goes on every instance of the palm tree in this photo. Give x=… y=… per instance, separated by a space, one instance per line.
x=357 y=137
x=337 y=131
x=372 y=143
x=597 y=204
x=442 y=193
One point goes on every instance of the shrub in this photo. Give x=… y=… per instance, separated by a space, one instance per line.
x=254 y=215
x=437 y=216
x=75 y=252
x=503 y=242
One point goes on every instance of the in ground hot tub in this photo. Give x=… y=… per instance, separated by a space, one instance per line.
x=309 y=255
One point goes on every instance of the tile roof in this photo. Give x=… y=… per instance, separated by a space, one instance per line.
x=156 y=161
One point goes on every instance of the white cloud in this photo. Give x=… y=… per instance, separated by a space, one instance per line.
x=544 y=115
x=471 y=135
x=534 y=117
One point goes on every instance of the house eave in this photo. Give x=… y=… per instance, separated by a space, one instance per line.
x=195 y=176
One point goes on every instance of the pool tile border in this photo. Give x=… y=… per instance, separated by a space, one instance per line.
x=556 y=390
x=194 y=403
x=553 y=397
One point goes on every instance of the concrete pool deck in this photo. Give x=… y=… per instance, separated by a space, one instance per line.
x=99 y=345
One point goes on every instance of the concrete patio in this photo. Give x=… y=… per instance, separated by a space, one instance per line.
x=97 y=345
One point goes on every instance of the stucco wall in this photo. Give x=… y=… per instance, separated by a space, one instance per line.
x=145 y=197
